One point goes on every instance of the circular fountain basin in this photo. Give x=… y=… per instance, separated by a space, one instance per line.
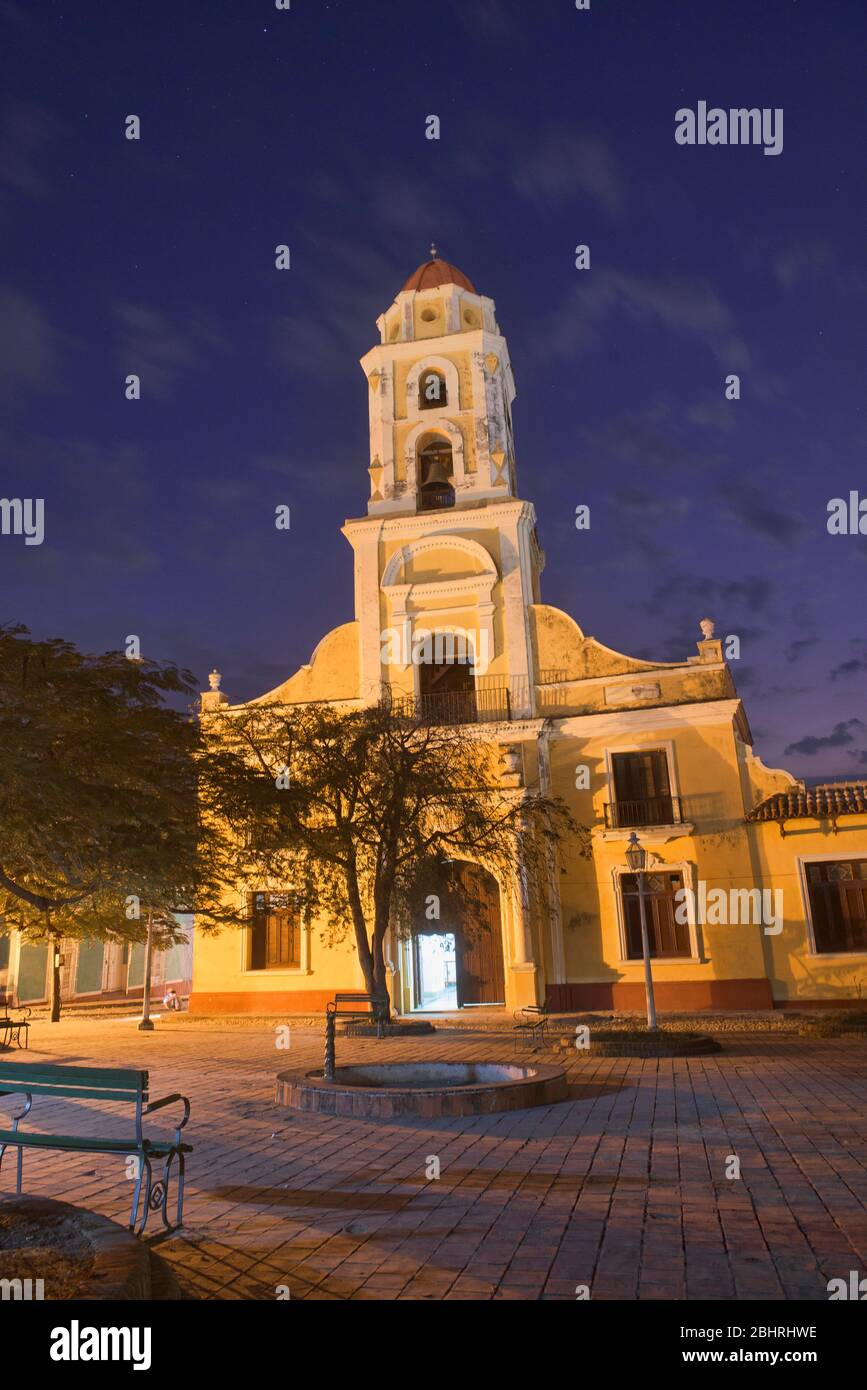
x=430 y=1089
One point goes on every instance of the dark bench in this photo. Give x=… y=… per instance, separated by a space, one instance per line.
x=12 y=1028
x=377 y=1009
x=377 y=1005
x=531 y=1025
x=100 y=1083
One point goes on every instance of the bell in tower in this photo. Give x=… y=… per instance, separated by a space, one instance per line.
x=436 y=489
x=446 y=559
x=441 y=392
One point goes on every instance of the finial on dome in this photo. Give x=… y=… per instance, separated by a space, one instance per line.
x=433 y=251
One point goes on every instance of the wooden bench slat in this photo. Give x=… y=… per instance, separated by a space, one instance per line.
x=36 y=1088
x=27 y=1140
x=118 y=1078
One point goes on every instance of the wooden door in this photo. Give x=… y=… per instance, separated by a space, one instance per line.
x=475 y=901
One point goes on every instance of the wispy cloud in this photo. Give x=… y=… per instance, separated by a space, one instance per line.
x=646 y=439
x=841 y=735
x=159 y=350
x=759 y=511
x=566 y=166
x=689 y=307
x=717 y=415
x=28 y=344
x=855 y=665
x=25 y=129
x=795 y=650
x=493 y=18
x=816 y=261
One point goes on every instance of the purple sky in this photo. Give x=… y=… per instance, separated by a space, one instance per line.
x=306 y=127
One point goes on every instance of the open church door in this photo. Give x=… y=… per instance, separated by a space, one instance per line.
x=475 y=901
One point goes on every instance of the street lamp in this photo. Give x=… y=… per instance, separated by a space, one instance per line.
x=636 y=858
x=147 y=1023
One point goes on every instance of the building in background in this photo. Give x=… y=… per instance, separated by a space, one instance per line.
x=757 y=887
x=93 y=970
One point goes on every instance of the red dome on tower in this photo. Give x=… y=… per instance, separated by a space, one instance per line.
x=435 y=272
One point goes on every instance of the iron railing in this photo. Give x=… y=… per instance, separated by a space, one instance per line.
x=649 y=810
x=494 y=699
x=436 y=499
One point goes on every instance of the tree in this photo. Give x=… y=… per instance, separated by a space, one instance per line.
x=357 y=811
x=99 y=823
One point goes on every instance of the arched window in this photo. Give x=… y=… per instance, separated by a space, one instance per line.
x=432 y=393
x=435 y=470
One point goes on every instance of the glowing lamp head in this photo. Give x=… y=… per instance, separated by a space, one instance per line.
x=636 y=854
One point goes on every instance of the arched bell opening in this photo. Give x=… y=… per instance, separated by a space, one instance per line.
x=432 y=391
x=436 y=474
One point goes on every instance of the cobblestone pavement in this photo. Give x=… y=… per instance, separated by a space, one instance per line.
x=622 y=1188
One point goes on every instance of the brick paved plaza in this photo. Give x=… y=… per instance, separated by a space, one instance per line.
x=622 y=1188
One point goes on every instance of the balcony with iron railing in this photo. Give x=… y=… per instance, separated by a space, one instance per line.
x=650 y=810
x=495 y=699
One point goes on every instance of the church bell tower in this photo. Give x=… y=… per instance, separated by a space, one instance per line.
x=446 y=560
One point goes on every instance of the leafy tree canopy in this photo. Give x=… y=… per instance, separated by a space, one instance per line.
x=359 y=812
x=98 y=798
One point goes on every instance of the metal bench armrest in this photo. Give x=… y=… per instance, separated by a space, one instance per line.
x=171 y=1100
x=25 y=1111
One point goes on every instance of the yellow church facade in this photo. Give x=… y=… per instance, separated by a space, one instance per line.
x=756 y=886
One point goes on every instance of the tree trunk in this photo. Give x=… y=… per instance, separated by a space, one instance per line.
x=382 y=915
x=54 y=996
x=380 y=974
x=370 y=955
x=366 y=963
x=362 y=945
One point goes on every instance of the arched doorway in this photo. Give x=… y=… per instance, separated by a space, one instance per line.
x=457 y=959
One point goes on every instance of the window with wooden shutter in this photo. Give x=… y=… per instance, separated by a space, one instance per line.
x=642 y=791
x=838 y=904
x=666 y=935
x=275 y=931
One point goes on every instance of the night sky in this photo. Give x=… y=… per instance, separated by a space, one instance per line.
x=307 y=127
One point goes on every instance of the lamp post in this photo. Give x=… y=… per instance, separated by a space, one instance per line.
x=147 y=1024
x=636 y=858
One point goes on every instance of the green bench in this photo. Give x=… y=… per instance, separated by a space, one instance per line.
x=531 y=1026
x=12 y=1028
x=123 y=1084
